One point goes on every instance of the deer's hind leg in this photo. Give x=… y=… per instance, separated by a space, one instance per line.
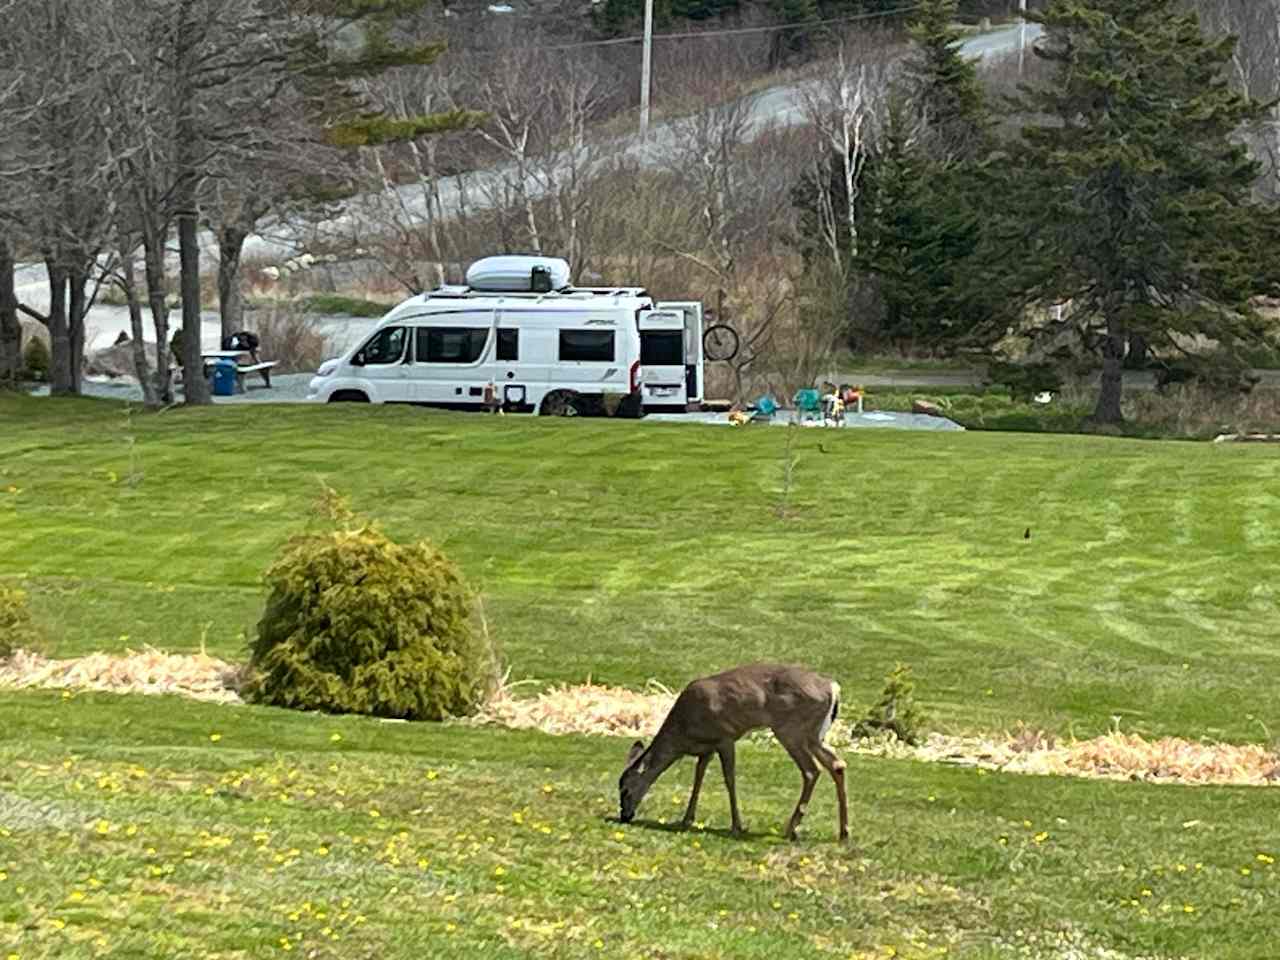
x=836 y=767
x=692 y=810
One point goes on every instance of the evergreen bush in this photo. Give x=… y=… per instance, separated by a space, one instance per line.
x=356 y=623
x=16 y=628
x=896 y=712
x=36 y=360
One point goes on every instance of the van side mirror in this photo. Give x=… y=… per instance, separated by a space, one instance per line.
x=358 y=359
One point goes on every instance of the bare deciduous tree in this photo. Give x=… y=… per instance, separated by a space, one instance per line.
x=842 y=105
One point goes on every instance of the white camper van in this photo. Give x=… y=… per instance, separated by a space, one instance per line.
x=520 y=337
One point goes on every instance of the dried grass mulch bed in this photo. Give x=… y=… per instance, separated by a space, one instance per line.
x=592 y=709
x=615 y=711
x=197 y=675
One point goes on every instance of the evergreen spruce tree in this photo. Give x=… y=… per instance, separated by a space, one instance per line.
x=1131 y=191
x=331 y=75
x=922 y=223
x=942 y=83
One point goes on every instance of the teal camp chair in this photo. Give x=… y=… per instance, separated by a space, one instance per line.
x=764 y=409
x=808 y=404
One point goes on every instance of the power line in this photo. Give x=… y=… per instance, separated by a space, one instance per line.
x=695 y=34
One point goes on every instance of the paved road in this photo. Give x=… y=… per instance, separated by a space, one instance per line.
x=774 y=107
x=778 y=106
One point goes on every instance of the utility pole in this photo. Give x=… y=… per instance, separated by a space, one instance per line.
x=1022 y=36
x=644 y=68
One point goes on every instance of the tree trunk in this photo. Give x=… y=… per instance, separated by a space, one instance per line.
x=138 y=347
x=153 y=241
x=60 y=382
x=1136 y=358
x=10 y=328
x=1108 y=408
x=195 y=389
x=76 y=310
x=230 y=296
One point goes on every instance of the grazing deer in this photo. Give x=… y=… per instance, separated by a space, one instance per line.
x=713 y=713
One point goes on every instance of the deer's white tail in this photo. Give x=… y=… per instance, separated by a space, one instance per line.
x=832 y=713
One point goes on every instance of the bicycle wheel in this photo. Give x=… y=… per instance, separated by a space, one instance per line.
x=720 y=342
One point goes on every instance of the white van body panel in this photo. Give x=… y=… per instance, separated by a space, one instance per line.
x=583 y=342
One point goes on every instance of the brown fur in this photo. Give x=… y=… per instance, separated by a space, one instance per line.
x=712 y=713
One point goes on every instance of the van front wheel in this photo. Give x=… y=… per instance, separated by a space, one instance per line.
x=560 y=403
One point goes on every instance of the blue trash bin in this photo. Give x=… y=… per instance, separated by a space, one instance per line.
x=224 y=378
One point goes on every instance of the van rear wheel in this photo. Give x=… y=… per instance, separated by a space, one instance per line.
x=560 y=403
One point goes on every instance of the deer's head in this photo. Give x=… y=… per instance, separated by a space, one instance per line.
x=633 y=784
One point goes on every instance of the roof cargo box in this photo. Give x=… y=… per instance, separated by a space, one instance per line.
x=511 y=274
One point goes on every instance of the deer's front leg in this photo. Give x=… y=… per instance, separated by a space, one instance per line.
x=692 y=810
x=727 y=767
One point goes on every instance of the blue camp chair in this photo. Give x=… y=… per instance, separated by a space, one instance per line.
x=764 y=409
x=808 y=404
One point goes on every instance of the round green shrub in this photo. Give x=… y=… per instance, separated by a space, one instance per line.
x=16 y=628
x=356 y=623
x=36 y=359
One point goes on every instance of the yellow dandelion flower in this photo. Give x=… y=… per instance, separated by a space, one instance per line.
x=335 y=737
x=215 y=737
x=1188 y=908
x=1265 y=858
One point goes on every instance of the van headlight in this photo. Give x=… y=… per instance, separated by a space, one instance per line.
x=328 y=367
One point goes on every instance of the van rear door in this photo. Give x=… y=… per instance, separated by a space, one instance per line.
x=663 y=382
x=691 y=313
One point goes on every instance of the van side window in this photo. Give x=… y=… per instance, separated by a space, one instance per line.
x=587 y=345
x=386 y=346
x=451 y=344
x=508 y=344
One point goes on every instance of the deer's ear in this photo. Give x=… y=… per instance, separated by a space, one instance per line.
x=633 y=754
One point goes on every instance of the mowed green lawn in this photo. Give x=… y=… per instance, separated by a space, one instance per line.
x=630 y=550
x=624 y=551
